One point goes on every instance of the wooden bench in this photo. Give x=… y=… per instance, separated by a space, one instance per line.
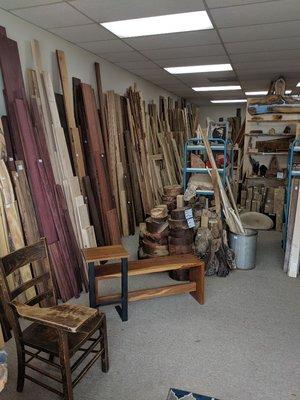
x=195 y=286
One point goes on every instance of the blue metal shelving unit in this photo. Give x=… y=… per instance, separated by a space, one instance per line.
x=196 y=146
x=293 y=150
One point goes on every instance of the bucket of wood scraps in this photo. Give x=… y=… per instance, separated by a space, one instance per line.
x=244 y=247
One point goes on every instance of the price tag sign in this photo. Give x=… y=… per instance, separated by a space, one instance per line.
x=191 y=223
x=188 y=213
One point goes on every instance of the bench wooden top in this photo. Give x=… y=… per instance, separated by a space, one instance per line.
x=104 y=253
x=148 y=266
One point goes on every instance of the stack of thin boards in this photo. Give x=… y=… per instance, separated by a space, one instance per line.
x=144 y=155
x=28 y=151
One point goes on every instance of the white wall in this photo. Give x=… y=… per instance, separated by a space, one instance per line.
x=217 y=111
x=80 y=63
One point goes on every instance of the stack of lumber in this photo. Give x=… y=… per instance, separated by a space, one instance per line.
x=43 y=102
x=98 y=185
x=27 y=142
x=154 y=234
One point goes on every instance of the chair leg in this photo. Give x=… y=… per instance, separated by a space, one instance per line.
x=104 y=345
x=65 y=366
x=21 y=367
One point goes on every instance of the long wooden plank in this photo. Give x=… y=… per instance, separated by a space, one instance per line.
x=294 y=253
x=99 y=168
x=148 y=266
x=147 y=294
x=76 y=145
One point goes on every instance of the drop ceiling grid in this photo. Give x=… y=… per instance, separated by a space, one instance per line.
x=241 y=27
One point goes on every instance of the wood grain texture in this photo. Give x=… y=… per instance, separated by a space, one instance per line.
x=147 y=294
x=149 y=266
x=104 y=253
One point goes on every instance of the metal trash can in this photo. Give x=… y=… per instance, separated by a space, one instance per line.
x=244 y=247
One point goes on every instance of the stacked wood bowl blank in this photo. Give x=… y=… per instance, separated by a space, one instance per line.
x=170 y=194
x=181 y=239
x=154 y=240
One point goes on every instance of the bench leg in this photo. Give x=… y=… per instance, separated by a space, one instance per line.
x=92 y=285
x=123 y=310
x=197 y=275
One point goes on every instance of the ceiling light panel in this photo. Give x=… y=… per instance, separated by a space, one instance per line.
x=216 y=88
x=229 y=101
x=162 y=24
x=194 y=69
x=262 y=92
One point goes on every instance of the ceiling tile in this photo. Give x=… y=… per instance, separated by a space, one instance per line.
x=193 y=51
x=257 y=32
x=124 y=56
x=209 y=77
x=279 y=65
x=52 y=15
x=263 y=45
x=258 y=13
x=136 y=64
x=105 y=46
x=113 y=10
x=170 y=40
x=229 y=3
x=83 y=33
x=13 y=4
x=265 y=56
x=182 y=61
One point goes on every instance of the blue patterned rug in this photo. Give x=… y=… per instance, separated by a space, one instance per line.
x=176 y=394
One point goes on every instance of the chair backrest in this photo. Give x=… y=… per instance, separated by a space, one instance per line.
x=43 y=293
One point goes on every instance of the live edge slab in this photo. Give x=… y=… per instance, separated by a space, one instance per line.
x=195 y=286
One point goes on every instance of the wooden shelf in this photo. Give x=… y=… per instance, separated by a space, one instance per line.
x=269 y=135
x=289 y=121
x=273 y=153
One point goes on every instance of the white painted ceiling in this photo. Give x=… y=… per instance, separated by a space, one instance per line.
x=260 y=38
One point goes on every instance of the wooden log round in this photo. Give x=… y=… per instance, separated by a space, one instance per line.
x=176 y=249
x=179 y=213
x=179 y=275
x=168 y=199
x=160 y=219
x=160 y=211
x=173 y=190
x=178 y=224
x=156 y=236
x=182 y=233
x=154 y=248
x=155 y=239
x=156 y=227
x=180 y=240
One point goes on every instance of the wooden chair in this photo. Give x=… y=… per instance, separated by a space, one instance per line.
x=59 y=331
